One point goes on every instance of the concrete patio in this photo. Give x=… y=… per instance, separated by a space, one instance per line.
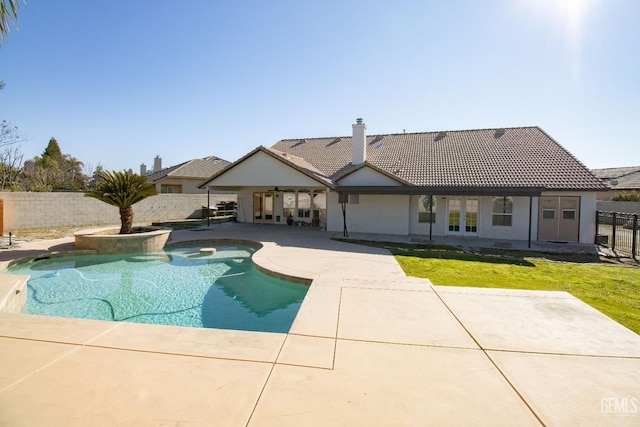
x=369 y=347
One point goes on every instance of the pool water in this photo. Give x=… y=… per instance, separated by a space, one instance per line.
x=178 y=287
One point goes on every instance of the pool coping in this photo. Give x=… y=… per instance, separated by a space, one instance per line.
x=367 y=344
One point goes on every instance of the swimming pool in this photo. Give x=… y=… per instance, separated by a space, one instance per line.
x=179 y=286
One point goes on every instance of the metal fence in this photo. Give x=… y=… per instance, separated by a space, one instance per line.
x=618 y=231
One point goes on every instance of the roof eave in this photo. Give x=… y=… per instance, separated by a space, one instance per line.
x=442 y=191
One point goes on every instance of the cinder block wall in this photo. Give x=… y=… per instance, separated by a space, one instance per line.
x=626 y=207
x=22 y=210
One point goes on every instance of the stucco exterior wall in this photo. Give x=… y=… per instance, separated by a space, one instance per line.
x=24 y=210
x=587 y=217
x=245 y=205
x=399 y=215
x=519 y=229
x=265 y=170
x=384 y=214
x=422 y=228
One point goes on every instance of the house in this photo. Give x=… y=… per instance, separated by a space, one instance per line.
x=618 y=180
x=185 y=177
x=515 y=183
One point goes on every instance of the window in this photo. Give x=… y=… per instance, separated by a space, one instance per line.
x=304 y=204
x=471 y=216
x=170 y=188
x=454 y=214
x=569 y=214
x=503 y=211
x=548 y=213
x=427 y=209
x=289 y=204
x=319 y=208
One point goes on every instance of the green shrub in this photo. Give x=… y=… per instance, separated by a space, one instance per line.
x=632 y=196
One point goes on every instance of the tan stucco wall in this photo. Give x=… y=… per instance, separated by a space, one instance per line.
x=23 y=210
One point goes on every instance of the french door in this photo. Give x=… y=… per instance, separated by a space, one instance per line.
x=263 y=208
x=463 y=216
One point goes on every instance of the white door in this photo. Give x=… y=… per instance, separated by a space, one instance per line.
x=463 y=216
x=263 y=208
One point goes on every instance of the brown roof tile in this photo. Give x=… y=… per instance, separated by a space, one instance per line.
x=196 y=169
x=484 y=158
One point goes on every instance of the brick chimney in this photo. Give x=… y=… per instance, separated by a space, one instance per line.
x=359 y=142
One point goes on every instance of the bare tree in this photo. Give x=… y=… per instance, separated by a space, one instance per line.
x=9 y=135
x=10 y=168
x=10 y=155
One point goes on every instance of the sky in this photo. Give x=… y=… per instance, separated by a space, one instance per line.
x=118 y=83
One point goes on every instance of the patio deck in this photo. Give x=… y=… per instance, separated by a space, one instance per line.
x=369 y=346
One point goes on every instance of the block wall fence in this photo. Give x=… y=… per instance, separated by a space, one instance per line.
x=23 y=210
x=625 y=207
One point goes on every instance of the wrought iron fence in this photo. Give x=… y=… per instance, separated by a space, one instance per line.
x=618 y=231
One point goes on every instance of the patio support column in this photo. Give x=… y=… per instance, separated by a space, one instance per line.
x=430 y=216
x=530 y=218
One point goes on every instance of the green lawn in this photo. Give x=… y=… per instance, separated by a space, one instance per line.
x=613 y=289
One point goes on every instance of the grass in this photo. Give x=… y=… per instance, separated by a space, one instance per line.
x=614 y=289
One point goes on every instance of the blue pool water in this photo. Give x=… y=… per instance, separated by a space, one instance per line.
x=176 y=287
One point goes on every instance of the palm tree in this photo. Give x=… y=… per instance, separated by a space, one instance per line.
x=8 y=13
x=123 y=190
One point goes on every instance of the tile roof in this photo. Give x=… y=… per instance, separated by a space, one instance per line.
x=300 y=164
x=626 y=178
x=196 y=169
x=155 y=176
x=524 y=157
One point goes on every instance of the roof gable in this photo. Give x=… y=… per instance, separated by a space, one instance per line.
x=268 y=168
x=366 y=174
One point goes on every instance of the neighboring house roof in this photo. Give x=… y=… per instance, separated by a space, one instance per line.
x=192 y=169
x=524 y=157
x=624 y=178
x=162 y=173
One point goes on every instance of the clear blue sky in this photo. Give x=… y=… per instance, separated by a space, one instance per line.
x=119 y=82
